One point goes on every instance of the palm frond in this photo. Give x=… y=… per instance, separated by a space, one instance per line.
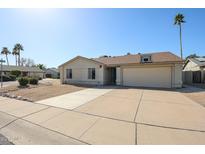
x=5 y=51
x=179 y=19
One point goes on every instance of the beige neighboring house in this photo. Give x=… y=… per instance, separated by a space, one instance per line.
x=194 y=71
x=25 y=71
x=52 y=73
x=162 y=69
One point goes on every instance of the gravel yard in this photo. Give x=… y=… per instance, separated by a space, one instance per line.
x=195 y=93
x=47 y=88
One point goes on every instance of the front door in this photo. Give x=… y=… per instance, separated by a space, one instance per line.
x=113 y=75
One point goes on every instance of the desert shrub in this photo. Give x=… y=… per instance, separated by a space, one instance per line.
x=16 y=73
x=23 y=81
x=33 y=81
x=39 y=78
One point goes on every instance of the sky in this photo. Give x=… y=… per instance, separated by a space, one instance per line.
x=53 y=36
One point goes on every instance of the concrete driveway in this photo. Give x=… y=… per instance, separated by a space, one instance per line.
x=74 y=99
x=118 y=116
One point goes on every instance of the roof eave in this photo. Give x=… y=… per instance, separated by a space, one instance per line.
x=125 y=64
x=77 y=57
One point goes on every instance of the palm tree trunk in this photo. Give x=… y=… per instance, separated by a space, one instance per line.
x=16 y=59
x=180 y=29
x=7 y=60
x=19 y=61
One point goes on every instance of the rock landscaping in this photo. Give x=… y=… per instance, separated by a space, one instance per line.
x=44 y=89
x=3 y=94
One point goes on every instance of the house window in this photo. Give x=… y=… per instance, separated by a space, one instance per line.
x=69 y=73
x=146 y=59
x=91 y=73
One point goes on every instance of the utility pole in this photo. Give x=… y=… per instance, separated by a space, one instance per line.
x=2 y=61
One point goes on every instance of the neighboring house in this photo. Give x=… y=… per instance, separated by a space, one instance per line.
x=52 y=73
x=194 y=71
x=162 y=69
x=25 y=71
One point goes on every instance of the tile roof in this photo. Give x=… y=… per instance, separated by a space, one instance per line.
x=21 y=68
x=199 y=61
x=158 y=57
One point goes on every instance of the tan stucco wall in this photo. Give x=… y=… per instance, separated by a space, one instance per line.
x=80 y=72
x=177 y=76
x=118 y=76
x=106 y=75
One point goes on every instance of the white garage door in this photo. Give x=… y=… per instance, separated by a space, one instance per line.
x=147 y=77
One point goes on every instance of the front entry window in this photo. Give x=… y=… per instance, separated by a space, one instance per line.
x=91 y=73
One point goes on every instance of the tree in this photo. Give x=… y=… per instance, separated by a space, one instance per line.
x=23 y=61
x=179 y=19
x=27 y=62
x=16 y=73
x=41 y=66
x=6 y=52
x=15 y=53
x=19 y=48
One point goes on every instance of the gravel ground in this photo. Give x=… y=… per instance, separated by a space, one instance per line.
x=194 y=93
x=45 y=89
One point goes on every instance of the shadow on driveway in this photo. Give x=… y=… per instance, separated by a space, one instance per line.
x=4 y=140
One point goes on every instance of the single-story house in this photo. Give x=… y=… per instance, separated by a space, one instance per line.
x=25 y=71
x=161 y=69
x=194 y=71
x=52 y=73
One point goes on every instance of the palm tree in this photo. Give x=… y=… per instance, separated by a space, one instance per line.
x=179 y=19
x=6 y=52
x=19 y=48
x=15 y=53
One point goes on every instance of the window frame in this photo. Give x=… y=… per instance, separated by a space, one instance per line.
x=69 y=73
x=146 y=59
x=91 y=73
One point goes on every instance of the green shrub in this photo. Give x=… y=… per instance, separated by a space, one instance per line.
x=23 y=81
x=16 y=73
x=33 y=81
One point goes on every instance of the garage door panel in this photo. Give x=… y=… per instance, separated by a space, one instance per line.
x=147 y=77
